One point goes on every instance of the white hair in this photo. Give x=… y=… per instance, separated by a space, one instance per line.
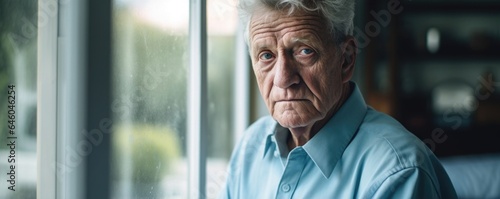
x=339 y=14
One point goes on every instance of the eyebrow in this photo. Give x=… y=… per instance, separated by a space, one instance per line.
x=308 y=38
x=259 y=46
x=295 y=40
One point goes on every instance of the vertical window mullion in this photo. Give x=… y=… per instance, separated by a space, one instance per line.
x=242 y=86
x=47 y=102
x=197 y=99
x=71 y=113
x=98 y=98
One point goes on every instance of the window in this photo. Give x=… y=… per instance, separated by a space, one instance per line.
x=151 y=60
x=113 y=85
x=150 y=97
x=18 y=62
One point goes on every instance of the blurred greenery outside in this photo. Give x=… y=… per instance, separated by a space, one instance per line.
x=159 y=143
x=18 y=41
x=18 y=67
x=150 y=92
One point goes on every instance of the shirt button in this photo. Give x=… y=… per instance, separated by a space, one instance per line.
x=276 y=154
x=285 y=188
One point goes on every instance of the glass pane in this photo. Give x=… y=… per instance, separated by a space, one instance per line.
x=18 y=66
x=221 y=26
x=150 y=63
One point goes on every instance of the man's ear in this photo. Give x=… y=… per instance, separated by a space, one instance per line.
x=349 y=52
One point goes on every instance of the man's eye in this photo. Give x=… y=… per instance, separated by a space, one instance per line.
x=266 y=56
x=306 y=51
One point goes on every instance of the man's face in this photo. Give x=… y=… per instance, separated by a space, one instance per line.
x=297 y=66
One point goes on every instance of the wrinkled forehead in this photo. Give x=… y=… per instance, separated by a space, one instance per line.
x=266 y=21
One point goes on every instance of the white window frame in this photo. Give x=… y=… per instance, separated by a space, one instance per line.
x=61 y=86
x=60 y=114
x=47 y=103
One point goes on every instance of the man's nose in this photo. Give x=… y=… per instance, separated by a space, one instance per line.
x=286 y=72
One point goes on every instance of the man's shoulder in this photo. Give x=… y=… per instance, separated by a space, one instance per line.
x=391 y=154
x=378 y=121
x=381 y=134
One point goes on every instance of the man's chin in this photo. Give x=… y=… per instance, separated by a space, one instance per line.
x=292 y=123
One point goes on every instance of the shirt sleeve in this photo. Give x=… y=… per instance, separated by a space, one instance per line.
x=410 y=183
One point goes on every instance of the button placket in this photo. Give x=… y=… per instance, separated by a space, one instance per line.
x=292 y=173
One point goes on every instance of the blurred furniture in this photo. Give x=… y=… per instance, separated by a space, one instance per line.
x=436 y=68
x=476 y=176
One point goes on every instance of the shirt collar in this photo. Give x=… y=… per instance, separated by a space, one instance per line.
x=273 y=136
x=328 y=145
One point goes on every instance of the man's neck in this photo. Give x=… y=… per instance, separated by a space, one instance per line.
x=301 y=135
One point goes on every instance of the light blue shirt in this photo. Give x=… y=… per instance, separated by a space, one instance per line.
x=359 y=153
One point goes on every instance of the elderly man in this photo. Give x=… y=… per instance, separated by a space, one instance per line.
x=322 y=140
